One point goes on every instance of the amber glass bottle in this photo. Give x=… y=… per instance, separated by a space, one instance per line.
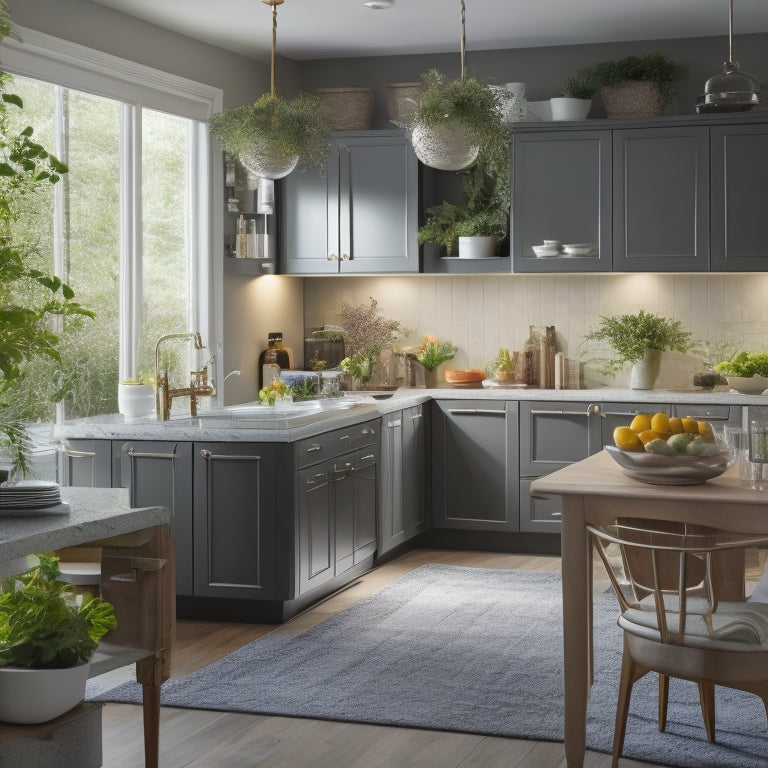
x=273 y=359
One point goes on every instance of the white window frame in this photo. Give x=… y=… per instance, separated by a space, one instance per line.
x=61 y=62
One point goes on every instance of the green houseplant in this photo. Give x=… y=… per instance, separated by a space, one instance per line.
x=30 y=299
x=47 y=637
x=638 y=340
x=638 y=86
x=575 y=98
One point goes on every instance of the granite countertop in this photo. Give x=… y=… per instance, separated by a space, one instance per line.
x=95 y=513
x=209 y=427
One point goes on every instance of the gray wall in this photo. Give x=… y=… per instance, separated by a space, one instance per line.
x=541 y=69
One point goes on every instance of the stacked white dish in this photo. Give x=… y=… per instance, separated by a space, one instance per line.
x=34 y=497
x=547 y=248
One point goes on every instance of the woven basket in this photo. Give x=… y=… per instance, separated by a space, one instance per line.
x=632 y=98
x=350 y=109
x=402 y=99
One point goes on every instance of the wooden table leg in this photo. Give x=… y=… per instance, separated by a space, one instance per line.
x=577 y=628
x=151 y=712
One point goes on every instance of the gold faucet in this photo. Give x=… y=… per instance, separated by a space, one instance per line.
x=199 y=386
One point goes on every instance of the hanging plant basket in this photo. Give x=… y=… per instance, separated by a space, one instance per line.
x=268 y=160
x=445 y=147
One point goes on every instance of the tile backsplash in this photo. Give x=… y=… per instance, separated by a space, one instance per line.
x=479 y=314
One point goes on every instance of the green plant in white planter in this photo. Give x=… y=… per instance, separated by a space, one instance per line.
x=575 y=100
x=638 y=340
x=47 y=637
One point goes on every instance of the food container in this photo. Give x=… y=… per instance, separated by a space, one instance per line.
x=304 y=385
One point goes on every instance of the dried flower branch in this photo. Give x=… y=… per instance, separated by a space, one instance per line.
x=366 y=331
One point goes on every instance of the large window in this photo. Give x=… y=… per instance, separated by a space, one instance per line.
x=123 y=228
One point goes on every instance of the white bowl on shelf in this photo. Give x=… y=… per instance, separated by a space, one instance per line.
x=578 y=249
x=544 y=250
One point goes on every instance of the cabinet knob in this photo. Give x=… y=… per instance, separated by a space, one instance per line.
x=331 y=257
x=343 y=257
x=371 y=431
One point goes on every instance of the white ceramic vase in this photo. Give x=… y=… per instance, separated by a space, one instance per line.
x=566 y=108
x=135 y=400
x=646 y=370
x=38 y=695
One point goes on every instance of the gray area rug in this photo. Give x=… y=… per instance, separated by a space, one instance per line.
x=465 y=649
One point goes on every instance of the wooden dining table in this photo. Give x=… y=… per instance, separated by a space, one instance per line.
x=595 y=490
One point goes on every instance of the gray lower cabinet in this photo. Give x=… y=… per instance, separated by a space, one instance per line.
x=402 y=498
x=360 y=215
x=234 y=520
x=553 y=434
x=475 y=481
x=160 y=473
x=336 y=506
x=739 y=169
x=86 y=463
x=561 y=190
x=661 y=199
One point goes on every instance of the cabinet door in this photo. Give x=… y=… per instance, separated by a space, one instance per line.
x=160 y=473
x=661 y=200
x=739 y=156
x=555 y=434
x=538 y=513
x=415 y=477
x=234 y=520
x=365 y=474
x=561 y=190
x=716 y=415
x=316 y=526
x=86 y=463
x=378 y=203
x=309 y=220
x=391 y=507
x=475 y=465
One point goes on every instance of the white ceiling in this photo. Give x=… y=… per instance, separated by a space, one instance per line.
x=314 y=29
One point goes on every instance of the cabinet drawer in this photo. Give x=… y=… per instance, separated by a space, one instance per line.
x=713 y=413
x=334 y=443
x=538 y=513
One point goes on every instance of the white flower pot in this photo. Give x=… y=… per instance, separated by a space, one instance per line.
x=565 y=108
x=38 y=695
x=477 y=247
x=135 y=400
x=646 y=370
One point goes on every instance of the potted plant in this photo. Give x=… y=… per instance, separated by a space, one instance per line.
x=638 y=340
x=638 y=86
x=432 y=353
x=136 y=397
x=47 y=637
x=273 y=136
x=575 y=98
x=456 y=123
x=30 y=299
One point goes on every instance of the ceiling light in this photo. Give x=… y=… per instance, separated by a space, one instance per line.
x=731 y=90
x=379 y=4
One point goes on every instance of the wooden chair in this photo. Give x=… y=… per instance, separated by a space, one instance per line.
x=673 y=619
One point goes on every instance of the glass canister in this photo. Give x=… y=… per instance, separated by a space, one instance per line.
x=304 y=385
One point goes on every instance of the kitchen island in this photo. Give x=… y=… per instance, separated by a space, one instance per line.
x=592 y=491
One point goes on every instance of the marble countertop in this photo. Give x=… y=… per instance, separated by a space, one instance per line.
x=241 y=429
x=95 y=513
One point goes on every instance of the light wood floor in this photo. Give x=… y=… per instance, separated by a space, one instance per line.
x=202 y=739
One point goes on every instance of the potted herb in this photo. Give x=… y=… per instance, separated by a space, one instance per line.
x=638 y=86
x=136 y=397
x=575 y=98
x=456 y=123
x=47 y=637
x=273 y=136
x=638 y=340
x=30 y=299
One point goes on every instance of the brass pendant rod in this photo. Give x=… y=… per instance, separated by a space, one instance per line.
x=274 y=4
x=463 y=39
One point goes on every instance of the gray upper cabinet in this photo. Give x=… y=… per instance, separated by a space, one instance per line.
x=475 y=476
x=661 y=199
x=361 y=216
x=739 y=193
x=561 y=191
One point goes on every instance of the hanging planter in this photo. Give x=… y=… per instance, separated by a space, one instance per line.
x=274 y=136
x=445 y=147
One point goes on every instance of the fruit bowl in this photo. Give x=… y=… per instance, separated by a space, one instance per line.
x=683 y=469
x=752 y=385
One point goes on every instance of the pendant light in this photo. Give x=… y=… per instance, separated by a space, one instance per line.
x=731 y=90
x=446 y=147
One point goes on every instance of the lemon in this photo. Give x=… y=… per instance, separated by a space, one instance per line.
x=660 y=423
x=676 y=425
x=627 y=440
x=691 y=426
x=706 y=431
x=640 y=423
x=647 y=435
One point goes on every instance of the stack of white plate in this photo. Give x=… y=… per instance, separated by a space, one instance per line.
x=31 y=496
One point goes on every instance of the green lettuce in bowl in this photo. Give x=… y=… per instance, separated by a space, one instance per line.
x=746 y=373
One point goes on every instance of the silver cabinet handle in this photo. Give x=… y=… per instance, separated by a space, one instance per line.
x=559 y=413
x=148 y=455
x=314 y=449
x=475 y=412
x=393 y=424
x=320 y=477
x=345 y=437
x=416 y=416
x=206 y=454
x=368 y=457
x=74 y=454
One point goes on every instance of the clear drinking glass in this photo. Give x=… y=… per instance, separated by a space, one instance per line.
x=755 y=458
